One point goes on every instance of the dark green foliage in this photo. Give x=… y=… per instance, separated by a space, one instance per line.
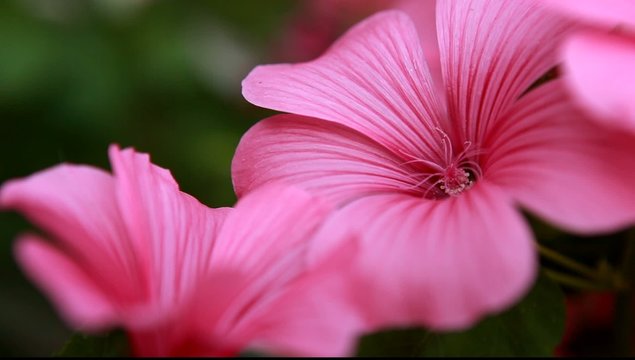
x=113 y=344
x=531 y=328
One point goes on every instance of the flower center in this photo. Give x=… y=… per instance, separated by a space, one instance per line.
x=449 y=176
x=455 y=180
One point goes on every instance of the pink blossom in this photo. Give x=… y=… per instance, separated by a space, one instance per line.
x=432 y=179
x=315 y=24
x=598 y=62
x=130 y=250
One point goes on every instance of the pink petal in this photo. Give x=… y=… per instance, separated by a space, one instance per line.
x=194 y=330
x=317 y=315
x=265 y=239
x=565 y=168
x=374 y=80
x=173 y=234
x=491 y=52
x=443 y=264
x=423 y=14
x=327 y=158
x=604 y=12
x=137 y=241
x=260 y=293
x=599 y=70
x=81 y=302
x=76 y=204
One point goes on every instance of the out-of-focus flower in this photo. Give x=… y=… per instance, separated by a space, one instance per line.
x=432 y=179
x=588 y=315
x=598 y=62
x=315 y=24
x=131 y=250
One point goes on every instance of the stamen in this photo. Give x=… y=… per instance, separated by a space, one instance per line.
x=456 y=180
x=449 y=176
x=416 y=159
x=422 y=182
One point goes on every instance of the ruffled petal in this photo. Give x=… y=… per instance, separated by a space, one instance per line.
x=326 y=158
x=599 y=71
x=77 y=206
x=491 y=52
x=173 y=234
x=443 y=264
x=374 y=80
x=316 y=315
x=567 y=169
x=80 y=300
x=264 y=240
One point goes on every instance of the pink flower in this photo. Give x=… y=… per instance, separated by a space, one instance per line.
x=131 y=250
x=598 y=62
x=433 y=179
x=315 y=24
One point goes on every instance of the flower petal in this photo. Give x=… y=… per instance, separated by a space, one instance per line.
x=374 y=80
x=81 y=302
x=605 y=12
x=599 y=70
x=316 y=315
x=265 y=239
x=423 y=14
x=326 y=158
x=193 y=331
x=443 y=264
x=491 y=52
x=173 y=234
x=77 y=206
x=565 y=168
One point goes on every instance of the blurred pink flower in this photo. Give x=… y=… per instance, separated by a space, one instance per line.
x=599 y=62
x=432 y=178
x=133 y=251
x=315 y=24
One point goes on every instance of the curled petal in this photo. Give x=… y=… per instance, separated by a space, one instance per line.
x=77 y=206
x=264 y=240
x=374 y=80
x=82 y=303
x=172 y=234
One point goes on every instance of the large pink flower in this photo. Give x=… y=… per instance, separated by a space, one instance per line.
x=133 y=251
x=598 y=62
x=432 y=179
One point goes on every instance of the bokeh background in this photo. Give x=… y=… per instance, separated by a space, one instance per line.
x=164 y=77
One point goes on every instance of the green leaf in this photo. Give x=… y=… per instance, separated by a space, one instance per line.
x=533 y=327
x=392 y=343
x=113 y=344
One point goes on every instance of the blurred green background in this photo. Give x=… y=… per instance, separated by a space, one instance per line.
x=162 y=76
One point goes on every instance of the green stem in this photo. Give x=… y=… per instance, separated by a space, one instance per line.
x=569 y=263
x=574 y=281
